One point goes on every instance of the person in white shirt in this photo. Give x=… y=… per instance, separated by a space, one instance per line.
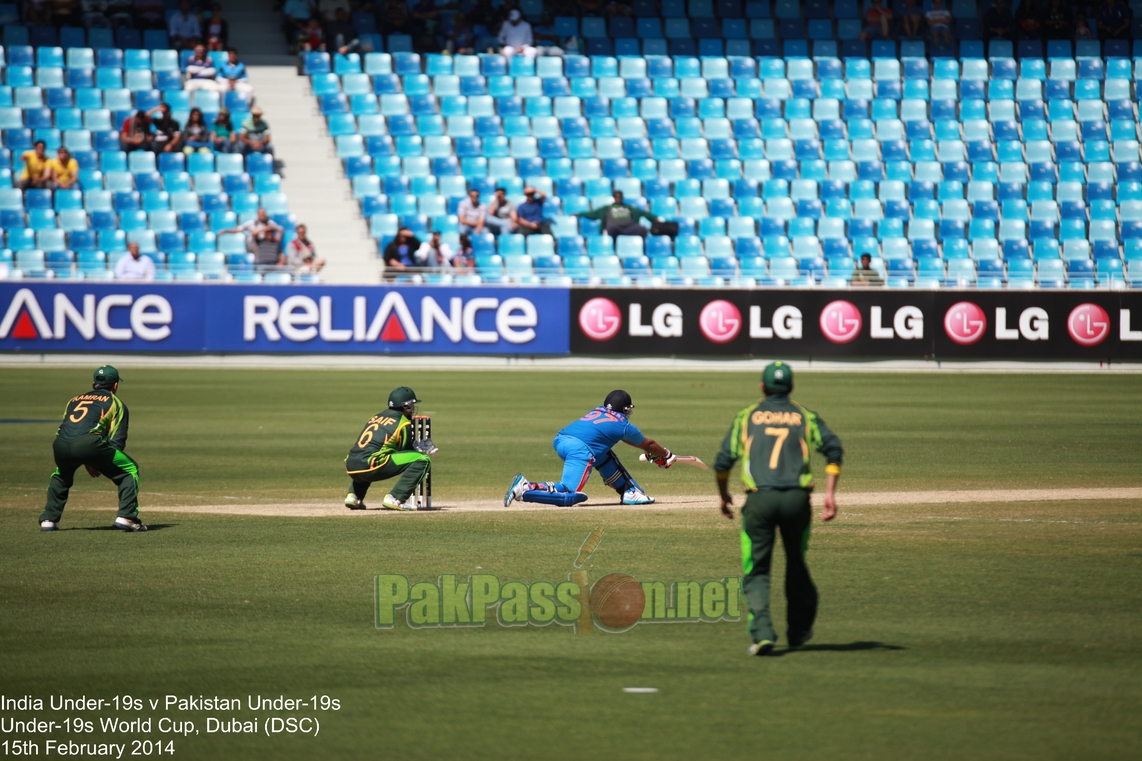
x=516 y=37
x=472 y=214
x=200 y=71
x=134 y=266
x=435 y=253
x=184 y=28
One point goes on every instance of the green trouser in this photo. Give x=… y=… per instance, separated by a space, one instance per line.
x=765 y=512
x=412 y=467
x=91 y=449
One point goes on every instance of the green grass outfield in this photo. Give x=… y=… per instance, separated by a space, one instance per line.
x=946 y=631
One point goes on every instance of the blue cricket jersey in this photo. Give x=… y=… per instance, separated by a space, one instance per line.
x=600 y=429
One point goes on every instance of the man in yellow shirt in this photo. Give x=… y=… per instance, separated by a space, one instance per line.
x=34 y=164
x=63 y=171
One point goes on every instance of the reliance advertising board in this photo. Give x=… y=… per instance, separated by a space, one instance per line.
x=103 y=317
x=41 y=317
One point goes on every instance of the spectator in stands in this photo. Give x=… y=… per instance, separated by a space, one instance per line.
x=940 y=24
x=184 y=28
x=341 y=33
x=501 y=218
x=255 y=134
x=394 y=17
x=461 y=41
x=120 y=12
x=864 y=274
x=401 y=251
x=997 y=23
x=328 y=8
x=263 y=239
x=232 y=74
x=1057 y=22
x=200 y=71
x=1082 y=31
x=435 y=253
x=150 y=14
x=217 y=31
x=313 y=37
x=877 y=21
x=618 y=8
x=61 y=172
x=464 y=261
x=529 y=215
x=516 y=37
x=1028 y=24
x=135 y=134
x=302 y=255
x=134 y=266
x=94 y=14
x=297 y=14
x=911 y=20
x=1113 y=21
x=472 y=214
x=35 y=161
x=196 y=133
x=620 y=218
x=425 y=18
x=223 y=138
x=167 y=135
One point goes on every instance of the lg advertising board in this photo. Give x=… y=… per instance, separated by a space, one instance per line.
x=870 y=323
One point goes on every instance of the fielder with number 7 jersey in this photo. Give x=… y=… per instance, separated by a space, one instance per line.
x=385 y=449
x=773 y=439
x=94 y=434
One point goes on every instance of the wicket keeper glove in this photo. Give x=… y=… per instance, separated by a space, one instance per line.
x=667 y=460
x=425 y=446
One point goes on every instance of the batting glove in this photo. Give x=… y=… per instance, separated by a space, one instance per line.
x=666 y=461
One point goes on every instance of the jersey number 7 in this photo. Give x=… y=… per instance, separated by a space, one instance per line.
x=782 y=434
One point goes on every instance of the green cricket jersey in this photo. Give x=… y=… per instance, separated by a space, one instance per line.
x=773 y=438
x=385 y=433
x=97 y=411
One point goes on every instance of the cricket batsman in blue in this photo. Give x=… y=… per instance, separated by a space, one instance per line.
x=587 y=443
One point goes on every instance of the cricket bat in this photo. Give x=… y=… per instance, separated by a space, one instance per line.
x=683 y=458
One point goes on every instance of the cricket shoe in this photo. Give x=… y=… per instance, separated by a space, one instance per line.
x=516 y=490
x=765 y=647
x=49 y=526
x=799 y=641
x=128 y=524
x=392 y=503
x=353 y=503
x=636 y=497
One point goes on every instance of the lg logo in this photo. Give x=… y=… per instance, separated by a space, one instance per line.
x=965 y=323
x=720 y=321
x=600 y=319
x=841 y=322
x=1088 y=324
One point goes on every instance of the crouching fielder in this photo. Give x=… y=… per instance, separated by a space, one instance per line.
x=587 y=444
x=385 y=449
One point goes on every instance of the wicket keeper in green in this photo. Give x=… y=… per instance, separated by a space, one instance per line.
x=94 y=434
x=773 y=439
x=385 y=449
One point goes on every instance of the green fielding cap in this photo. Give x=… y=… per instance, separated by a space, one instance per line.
x=778 y=377
x=402 y=396
x=106 y=375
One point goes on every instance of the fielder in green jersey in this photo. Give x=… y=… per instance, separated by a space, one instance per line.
x=773 y=439
x=94 y=434
x=385 y=449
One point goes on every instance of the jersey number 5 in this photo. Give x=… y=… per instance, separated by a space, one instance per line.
x=79 y=412
x=782 y=434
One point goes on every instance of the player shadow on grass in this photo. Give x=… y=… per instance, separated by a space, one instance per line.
x=841 y=648
x=150 y=527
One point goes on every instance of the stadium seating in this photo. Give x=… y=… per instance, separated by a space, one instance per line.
x=944 y=169
x=170 y=204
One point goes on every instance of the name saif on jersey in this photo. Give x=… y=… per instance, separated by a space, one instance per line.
x=768 y=417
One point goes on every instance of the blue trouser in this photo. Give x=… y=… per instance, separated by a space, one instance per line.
x=578 y=460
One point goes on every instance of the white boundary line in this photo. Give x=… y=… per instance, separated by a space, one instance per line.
x=707 y=502
x=549 y=364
